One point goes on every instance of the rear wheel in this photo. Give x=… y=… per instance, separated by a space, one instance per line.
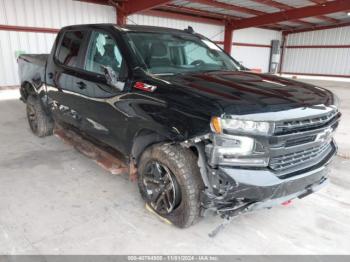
x=170 y=183
x=40 y=123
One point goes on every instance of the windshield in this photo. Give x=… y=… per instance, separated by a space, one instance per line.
x=166 y=53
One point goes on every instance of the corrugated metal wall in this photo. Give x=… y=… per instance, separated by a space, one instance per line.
x=12 y=42
x=41 y=13
x=254 y=57
x=326 y=61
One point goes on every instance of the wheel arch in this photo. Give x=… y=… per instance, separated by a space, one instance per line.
x=27 y=89
x=143 y=139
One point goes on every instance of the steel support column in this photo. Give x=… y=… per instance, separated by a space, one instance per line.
x=228 y=38
x=284 y=41
x=121 y=16
x=135 y=6
x=131 y=7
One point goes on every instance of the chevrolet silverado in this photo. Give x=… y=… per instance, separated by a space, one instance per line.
x=202 y=134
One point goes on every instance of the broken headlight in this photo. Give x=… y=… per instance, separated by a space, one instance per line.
x=234 y=142
x=235 y=151
x=235 y=145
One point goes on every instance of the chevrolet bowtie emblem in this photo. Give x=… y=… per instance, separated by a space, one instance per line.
x=325 y=135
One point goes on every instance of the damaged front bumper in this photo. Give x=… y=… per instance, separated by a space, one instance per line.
x=251 y=189
x=246 y=172
x=239 y=190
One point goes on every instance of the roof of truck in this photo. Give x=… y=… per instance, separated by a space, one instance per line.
x=146 y=28
x=135 y=28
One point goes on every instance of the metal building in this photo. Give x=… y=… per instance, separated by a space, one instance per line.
x=54 y=200
x=314 y=43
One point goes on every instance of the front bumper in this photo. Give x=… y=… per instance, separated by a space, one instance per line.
x=237 y=190
x=290 y=162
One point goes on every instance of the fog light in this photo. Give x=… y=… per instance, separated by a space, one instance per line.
x=259 y=162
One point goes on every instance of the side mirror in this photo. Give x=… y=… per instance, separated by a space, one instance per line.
x=112 y=78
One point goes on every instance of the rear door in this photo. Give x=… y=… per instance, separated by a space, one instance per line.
x=65 y=91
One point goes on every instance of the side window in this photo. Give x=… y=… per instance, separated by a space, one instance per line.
x=103 y=52
x=70 y=47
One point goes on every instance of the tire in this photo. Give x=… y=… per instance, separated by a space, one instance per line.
x=39 y=121
x=185 y=177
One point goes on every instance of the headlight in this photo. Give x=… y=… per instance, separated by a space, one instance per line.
x=235 y=150
x=218 y=125
x=235 y=145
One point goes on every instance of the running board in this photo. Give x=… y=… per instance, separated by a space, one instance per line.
x=110 y=162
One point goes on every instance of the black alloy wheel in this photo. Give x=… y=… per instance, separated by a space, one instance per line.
x=162 y=190
x=170 y=182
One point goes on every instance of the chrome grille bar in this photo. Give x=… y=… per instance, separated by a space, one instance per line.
x=290 y=160
x=300 y=124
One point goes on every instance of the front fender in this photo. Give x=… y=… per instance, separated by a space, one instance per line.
x=143 y=139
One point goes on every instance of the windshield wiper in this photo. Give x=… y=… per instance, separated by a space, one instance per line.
x=164 y=74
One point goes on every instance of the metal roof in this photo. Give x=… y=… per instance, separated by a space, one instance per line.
x=209 y=9
x=263 y=7
x=251 y=5
x=296 y=3
x=274 y=14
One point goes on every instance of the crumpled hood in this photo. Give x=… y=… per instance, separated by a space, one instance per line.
x=247 y=93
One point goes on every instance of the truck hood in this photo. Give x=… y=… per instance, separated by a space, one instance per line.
x=246 y=93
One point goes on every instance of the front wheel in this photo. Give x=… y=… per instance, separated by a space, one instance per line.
x=170 y=183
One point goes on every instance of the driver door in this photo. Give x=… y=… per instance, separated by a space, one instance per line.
x=100 y=118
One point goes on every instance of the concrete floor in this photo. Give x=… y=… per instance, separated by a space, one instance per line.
x=54 y=200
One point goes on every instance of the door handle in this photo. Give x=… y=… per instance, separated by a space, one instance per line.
x=50 y=75
x=81 y=85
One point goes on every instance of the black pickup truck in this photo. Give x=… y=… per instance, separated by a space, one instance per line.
x=203 y=134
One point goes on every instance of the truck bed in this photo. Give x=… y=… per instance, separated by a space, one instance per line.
x=31 y=69
x=38 y=59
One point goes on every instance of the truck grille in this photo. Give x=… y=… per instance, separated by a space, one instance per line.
x=285 y=127
x=300 y=158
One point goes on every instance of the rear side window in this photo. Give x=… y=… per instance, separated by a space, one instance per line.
x=69 y=49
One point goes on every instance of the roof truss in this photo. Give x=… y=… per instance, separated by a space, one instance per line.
x=256 y=18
